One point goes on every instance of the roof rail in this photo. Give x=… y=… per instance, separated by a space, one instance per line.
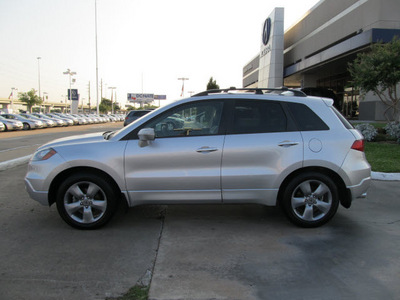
x=259 y=91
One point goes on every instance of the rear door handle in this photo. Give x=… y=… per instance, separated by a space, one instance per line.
x=287 y=144
x=206 y=149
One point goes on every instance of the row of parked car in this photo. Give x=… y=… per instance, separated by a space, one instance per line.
x=26 y=121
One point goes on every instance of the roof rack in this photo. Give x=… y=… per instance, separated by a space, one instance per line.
x=259 y=91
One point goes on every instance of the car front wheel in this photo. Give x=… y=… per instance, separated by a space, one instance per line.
x=86 y=201
x=310 y=199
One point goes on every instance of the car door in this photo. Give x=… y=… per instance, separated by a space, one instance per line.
x=183 y=163
x=261 y=148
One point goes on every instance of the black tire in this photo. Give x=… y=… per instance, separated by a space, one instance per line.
x=86 y=201
x=310 y=199
x=26 y=126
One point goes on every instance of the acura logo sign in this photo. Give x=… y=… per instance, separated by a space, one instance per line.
x=266 y=31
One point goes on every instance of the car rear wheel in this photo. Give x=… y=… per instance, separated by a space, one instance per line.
x=86 y=201
x=310 y=199
x=26 y=126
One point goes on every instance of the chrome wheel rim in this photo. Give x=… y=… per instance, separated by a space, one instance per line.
x=85 y=202
x=311 y=200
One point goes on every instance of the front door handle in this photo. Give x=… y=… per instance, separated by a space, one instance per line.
x=206 y=149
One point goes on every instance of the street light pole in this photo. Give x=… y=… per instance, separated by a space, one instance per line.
x=12 y=98
x=97 y=59
x=44 y=100
x=70 y=73
x=183 y=85
x=38 y=58
x=112 y=103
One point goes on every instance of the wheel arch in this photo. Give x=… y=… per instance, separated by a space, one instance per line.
x=64 y=174
x=344 y=194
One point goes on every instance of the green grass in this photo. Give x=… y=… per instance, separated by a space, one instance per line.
x=383 y=157
x=135 y=293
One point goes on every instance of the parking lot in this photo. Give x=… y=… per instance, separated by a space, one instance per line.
x=198 y=252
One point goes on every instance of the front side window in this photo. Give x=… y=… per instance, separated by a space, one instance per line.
x=258 y=117
x=194 y=119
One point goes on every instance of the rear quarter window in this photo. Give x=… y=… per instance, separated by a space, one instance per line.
x=305 y=118
x=342 y=119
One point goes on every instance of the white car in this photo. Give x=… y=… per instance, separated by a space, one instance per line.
x=26 y=123
x=261 y=146
x=11 y=124
x=46 y=122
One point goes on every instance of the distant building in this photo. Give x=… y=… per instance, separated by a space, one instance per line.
x=318 y=48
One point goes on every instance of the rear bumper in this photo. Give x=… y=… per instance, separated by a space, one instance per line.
x=360 y=190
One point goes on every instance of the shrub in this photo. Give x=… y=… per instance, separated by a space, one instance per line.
x=368 y=131
x=393 y=130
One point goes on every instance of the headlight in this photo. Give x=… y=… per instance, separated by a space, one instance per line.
x=44 y=154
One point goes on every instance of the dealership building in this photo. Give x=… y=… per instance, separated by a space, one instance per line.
x=314 y=53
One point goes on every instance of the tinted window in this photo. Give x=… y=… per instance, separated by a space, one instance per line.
x=201 y=118
x=305 y=118
x=138 y=113
x=258 y=117
x=342 y=119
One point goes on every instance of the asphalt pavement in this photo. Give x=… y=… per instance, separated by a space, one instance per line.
x=200 y=251
x=252 y=252
x=43 y=258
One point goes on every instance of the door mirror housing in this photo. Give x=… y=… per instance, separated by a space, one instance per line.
x=146 y=135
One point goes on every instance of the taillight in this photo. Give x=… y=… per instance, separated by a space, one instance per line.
x=358 y=145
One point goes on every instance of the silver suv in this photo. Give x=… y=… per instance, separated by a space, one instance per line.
x=261 y=146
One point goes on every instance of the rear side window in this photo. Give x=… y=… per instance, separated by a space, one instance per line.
x=305 y=118
x=138 y=113
x=258 y=117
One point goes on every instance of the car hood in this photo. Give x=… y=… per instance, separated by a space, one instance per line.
x=76 y=139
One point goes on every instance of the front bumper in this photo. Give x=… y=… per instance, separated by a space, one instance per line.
x=39 y=196
x=14 y=126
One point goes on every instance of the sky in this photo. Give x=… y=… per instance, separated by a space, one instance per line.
x=143 y=46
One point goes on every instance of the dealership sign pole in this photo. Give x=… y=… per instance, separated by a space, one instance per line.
x=271 y=52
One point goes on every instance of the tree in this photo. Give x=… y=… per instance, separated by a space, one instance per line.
x=30 y=98
x=378 y=71
x=212 y=85
x=105 y=105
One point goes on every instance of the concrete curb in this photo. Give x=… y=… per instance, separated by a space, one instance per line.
x=385 y=176
x=22 y=160
x=14 y=162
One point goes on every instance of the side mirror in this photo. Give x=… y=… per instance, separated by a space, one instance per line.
x=145 y=136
